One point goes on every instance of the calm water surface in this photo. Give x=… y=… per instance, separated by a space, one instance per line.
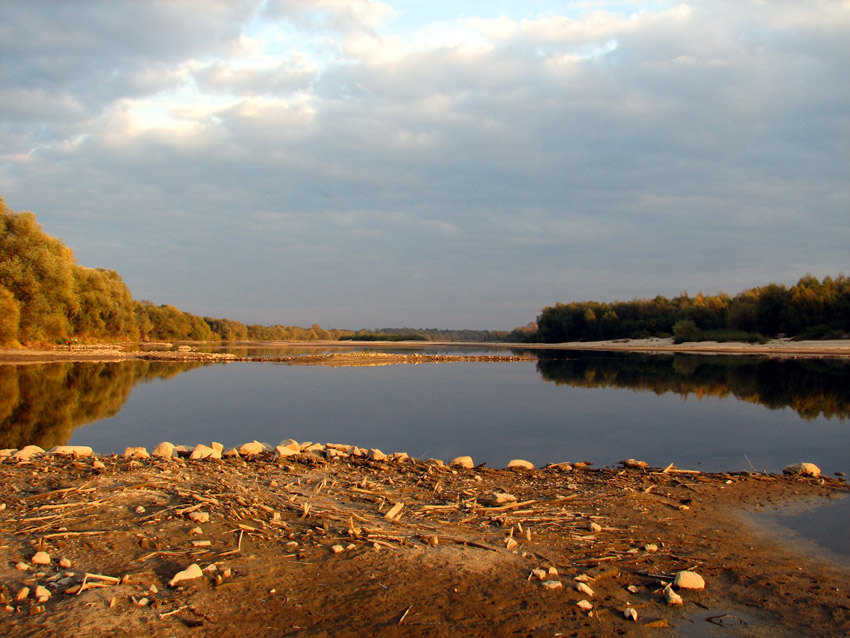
x=710 y=413
x=701 y=412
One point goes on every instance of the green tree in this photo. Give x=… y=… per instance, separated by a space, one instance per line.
x=10 y=315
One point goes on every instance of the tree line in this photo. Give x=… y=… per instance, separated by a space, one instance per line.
x=810 y=309
x=47 y=297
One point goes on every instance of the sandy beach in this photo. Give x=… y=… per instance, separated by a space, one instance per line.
x=326 y=543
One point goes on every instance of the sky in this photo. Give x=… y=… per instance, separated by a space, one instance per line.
x=430 y=164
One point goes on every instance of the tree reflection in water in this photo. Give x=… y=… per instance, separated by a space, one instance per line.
x=810 y=387
x=42 y=404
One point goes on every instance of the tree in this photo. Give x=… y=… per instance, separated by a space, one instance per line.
x=10 y=315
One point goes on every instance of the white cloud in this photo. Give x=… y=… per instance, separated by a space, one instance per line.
x=550 y=141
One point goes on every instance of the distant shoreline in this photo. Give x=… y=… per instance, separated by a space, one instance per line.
x=115 y=352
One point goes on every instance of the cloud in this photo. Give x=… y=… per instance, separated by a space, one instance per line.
x=619 y=146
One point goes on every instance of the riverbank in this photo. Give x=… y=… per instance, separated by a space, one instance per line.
x=366 y=349
x=335 y=541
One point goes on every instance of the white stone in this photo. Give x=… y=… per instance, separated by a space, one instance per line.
x=673 y=599
x=40 y=558
x=202 y=451
x=64 y=563
x=199 y=517
x=539 y=574
x=584 y=588
x=23 y=594
x=462 y=461
x=584 y=605
x=399 y=457
x=249 y=449
x=689 y=580
x=218 y=447
x=594 y=527
x=73 y=450
x=635 y=465
x=552 y=584
x=376 y=455
x=806 y=469
x=629 y=613
x=164 y=450
x=42 y=594
x=337 y=549
x=292 y=444
x=97 y=464
x=136 y=453
x=27 y=452
x=520 y=464
x=192 y=572
x=284 y=450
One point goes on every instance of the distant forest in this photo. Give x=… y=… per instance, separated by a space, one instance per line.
x=46 y=297
x=811 y=309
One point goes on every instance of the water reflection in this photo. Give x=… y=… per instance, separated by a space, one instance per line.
x=43 y=404
x=810 y=387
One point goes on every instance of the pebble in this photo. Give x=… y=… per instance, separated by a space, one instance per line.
x=337 y=549
x=285 y=450
x=164 y=450
x=97 y=464
x=22 y=567
x=520 y=464
x=462 y=461
x=806 y=469
x=140 y=509
x=192 y=572
x=40 y=558
x=552 y=584
x=594 y=527
x=136 y=453
x=42 y=594
x=23 y=594
x=64 y=563
x=584 y=605
x=629 y=613
x=539 y=574
x=199 y=517
x=688 y=580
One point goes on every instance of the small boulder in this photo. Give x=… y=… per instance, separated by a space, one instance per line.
x=252 y=448
x=40 y=558
x=27 y=452
x=673 y=599
x=285 y=450
x=376 y=455
x=164 y=450
x=136 y=453
x=192 y=572
x=462 y=461
x=689 y=580
x=72 y=450
x=202 y=451
x=42 y=594
x=292 y=444
x=584 y=605
x=634 y=465
x=520 y=464
x=804 y=469
x=199 y=517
